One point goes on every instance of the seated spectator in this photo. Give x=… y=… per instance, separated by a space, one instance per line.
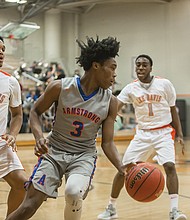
x=32 y=94
x=60 y=74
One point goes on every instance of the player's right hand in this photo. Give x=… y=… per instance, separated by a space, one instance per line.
x=127 y=167
x=41 y=147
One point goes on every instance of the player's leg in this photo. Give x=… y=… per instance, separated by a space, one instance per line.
x=16 y=180
x=166 y=157
x=12 y=171
x=29 y=206
x=171 y=178
x=173 y=186
x=117 y=185
x=43 y=183
x=79 y=174
x=74 y=194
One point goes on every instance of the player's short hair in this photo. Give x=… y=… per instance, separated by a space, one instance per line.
x=147 y=57
x=97 y=51
x=1 y=39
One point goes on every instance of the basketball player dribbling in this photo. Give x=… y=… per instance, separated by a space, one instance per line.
x=11 y=169
x=153 y=99
x=82 y=106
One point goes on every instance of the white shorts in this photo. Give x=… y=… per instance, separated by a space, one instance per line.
x=9 y=160
x=147 y=142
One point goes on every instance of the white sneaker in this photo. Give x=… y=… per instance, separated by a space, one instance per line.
x=109 y=213
x=177 y=215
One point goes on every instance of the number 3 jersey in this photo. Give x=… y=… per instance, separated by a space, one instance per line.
x=78 y=117
x=151 y=102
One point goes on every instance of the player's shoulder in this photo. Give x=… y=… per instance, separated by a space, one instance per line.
x=5 y=74
x=162 y=80
x=69 y=81
x=130 y=85
x=56 y=84
x=11 y=78
x=59 y=84
x=113 y=103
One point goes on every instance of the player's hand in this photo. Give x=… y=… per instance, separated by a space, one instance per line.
x=122 y=170
x=127 y=167
x=181 y=142
x=41 y=147
x=11 y=141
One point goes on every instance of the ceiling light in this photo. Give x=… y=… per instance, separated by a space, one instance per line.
x=17 y=1
x=11 y=0
x=21 y=1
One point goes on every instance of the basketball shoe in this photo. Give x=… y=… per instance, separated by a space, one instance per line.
x=109 y=213
x=177 y=215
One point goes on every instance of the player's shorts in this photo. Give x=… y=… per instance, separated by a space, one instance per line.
x=9 y=160
x=147 y=142
x=48 y=172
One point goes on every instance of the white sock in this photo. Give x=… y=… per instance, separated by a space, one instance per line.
x=113 y=201
x=173 y=201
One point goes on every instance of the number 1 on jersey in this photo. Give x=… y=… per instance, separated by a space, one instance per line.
x=150 y=110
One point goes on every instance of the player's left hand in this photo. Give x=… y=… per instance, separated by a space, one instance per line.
x=11 y=141
x=41 y=147
x=181 y=142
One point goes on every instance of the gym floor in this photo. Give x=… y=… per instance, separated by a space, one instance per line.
x=95 y=203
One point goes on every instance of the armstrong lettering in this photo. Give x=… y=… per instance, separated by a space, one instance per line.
x=82 y=112
x=138 y=176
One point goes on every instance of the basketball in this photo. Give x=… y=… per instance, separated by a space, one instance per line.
x=144 y=182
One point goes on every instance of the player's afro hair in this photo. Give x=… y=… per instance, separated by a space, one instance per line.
x=97 y=51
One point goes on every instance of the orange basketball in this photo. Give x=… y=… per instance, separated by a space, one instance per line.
x=144 y=182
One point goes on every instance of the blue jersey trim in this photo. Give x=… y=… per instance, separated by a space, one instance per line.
x=85 y=98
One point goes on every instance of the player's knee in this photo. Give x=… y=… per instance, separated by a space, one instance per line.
x=18 y=187
x=169 y=168
x=73 y=197
x=119 y=176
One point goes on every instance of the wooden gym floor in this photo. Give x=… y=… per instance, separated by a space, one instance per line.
x=97 y=199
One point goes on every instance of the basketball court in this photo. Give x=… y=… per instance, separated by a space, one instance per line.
x=128 y=209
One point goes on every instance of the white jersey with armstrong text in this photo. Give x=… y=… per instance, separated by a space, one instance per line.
x=151 y=103
x=10 y=95
x=78 y=117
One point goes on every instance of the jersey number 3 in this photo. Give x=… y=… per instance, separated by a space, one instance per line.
x=78 y=129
